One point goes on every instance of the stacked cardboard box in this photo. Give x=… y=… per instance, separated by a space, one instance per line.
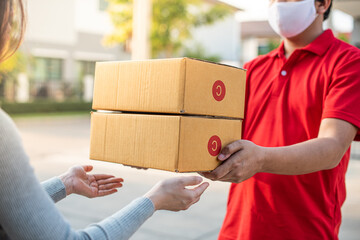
x=171 y=114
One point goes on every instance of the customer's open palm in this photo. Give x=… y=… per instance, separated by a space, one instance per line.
x=78 y=180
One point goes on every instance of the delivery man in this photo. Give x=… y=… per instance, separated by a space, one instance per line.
x=302 y=113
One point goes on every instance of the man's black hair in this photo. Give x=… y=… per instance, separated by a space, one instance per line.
x=327 y=13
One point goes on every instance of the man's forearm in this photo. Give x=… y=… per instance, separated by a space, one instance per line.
x=306 y=157
x=242 y=159
x=321 y=153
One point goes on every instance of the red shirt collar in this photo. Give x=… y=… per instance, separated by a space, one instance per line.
x=318 y=46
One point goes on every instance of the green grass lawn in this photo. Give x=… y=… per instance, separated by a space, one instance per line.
x=51 y=114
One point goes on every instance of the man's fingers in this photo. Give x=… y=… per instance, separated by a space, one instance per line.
x=226 y=167
x=206 y=174
x=109 y=180
x=228 y=177
x=110 y=186
x=220 y=171
x=230 y=149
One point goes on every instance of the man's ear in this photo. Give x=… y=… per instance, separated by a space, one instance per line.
x=322 y=7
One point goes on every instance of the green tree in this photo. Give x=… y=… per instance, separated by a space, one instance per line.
x=12 y=66
x=9 y=69
x=271 y=45
x=199 y=52
x=344 y=37
x=172 y=22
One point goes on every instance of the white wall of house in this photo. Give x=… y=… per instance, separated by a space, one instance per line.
x=58 y=21
x=249 y=49
x=355 y=38
x=221 y=38
x=89 y=18
x=51 y=21
x=72 y=30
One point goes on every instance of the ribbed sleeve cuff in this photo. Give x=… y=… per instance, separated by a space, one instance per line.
x=55 y=188
x=124 y=223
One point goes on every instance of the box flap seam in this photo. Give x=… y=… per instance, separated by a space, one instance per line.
x=117 y=86
x=178 y=150
x=105 y=137
x=182 y=110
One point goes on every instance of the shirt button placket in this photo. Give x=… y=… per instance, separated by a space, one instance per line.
x=279 y=83
x=284 y=74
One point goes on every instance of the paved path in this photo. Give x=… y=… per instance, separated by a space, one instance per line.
x=56 y=143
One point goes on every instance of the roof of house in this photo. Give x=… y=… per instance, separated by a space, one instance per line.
x=258 y=29
x=351 y=7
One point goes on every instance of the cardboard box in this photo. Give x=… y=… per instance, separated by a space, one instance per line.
x=167 y=142
x=179 y=86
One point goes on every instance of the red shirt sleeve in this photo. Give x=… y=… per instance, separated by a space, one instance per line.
x=343 y=94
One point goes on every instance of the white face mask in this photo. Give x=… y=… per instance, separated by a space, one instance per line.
x=289 y=19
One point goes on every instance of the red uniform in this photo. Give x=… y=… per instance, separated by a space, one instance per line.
x=285 y=103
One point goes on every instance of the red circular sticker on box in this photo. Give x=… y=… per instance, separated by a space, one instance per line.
x=214 y=145
x=218 y=90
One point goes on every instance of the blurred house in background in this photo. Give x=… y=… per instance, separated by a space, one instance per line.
x=64 y=39
x=351 y=7
x=221 y=39
x=258 y=38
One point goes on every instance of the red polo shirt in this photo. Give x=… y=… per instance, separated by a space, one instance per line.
x=286 y=101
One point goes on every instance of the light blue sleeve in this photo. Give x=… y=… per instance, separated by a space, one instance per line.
x=55 y=188
x=28 y=212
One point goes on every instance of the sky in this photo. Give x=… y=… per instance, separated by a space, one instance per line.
x=257 y=10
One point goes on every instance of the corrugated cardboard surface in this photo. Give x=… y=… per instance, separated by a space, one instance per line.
x=173 y=143
x=195 y=134
x=200 y=79
x=148 y=86
x=137 y=140
x=169 y=86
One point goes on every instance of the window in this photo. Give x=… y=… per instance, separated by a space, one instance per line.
x=267 y=45
x=85 y=68
x=2 y=88
x=103 y=5
x=263 y=49
x=47 y=69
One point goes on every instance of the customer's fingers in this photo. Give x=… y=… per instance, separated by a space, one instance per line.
x=199 y=190
x=110 y=180
x=110 y=186
x=190 y=181
x=102 y=176
x=102 y=193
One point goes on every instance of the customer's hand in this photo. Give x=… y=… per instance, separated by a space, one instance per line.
x=77 y=180
x=241 y=160
x=172 y=194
